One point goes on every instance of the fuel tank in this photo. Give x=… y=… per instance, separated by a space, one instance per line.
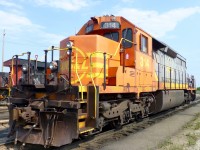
x=167 y=99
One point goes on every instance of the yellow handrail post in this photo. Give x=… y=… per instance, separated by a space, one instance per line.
x=63 y=49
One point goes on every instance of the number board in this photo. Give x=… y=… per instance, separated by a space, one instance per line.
x=110 y=25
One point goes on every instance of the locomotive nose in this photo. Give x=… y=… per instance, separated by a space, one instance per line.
x=88 y=51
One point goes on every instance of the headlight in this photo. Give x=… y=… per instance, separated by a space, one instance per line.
x=25 y=68
x=68 y=52
x=69 y=44
x=53 y=66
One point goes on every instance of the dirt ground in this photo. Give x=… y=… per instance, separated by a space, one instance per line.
x=187 y=139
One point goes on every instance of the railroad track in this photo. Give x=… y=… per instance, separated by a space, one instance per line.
x=3 y=109
x=3 y=115
x=100 y=140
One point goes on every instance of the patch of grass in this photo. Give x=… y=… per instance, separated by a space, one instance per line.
x=197 y=126
x=198 y=92
x=190 y=124
x=192 y=139
x=187 y=125
x=165 y=143
x=176 y=147
x=197 y=115
x=169 y=145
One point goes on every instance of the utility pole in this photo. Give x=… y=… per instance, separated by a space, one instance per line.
x=4 y=33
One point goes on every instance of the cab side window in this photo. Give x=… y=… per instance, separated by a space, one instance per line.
x=128 y=35
x=143 y=43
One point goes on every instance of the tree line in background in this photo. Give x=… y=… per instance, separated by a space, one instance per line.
x=198 y=88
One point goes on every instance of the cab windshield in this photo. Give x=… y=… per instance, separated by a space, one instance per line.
x=112 y=35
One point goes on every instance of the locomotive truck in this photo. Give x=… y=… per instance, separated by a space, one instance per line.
x=110 y=72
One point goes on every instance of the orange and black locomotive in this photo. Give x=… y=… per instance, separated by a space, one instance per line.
x=111 y=72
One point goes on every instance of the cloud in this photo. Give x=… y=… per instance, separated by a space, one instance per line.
x=20 y=30
x=15 y=22
x=23 y=35
x=155 y=23
x=7 y=3
x=68 y=5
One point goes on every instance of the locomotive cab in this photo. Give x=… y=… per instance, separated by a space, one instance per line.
x=114 y=37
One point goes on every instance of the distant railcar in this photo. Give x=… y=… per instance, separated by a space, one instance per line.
x=111 y=72
x=4 y=90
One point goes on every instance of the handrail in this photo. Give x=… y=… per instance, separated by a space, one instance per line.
x=95 y=89
x=107 y=54
x=77 y=49
x=91 y=75
x=120 y=43
x=118 y=47
x=97 y=53
x=12 y=69
x=78 y=74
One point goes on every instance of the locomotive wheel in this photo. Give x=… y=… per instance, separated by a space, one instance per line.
x=116 y=124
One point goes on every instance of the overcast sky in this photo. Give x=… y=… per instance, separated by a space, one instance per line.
x=35 y=25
